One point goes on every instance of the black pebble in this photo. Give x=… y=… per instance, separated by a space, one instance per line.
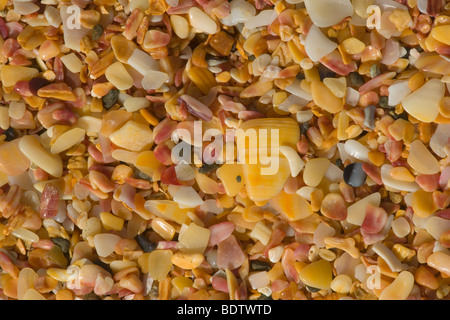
x=354 y=175
x=10 y=134
x=300 y=76
x=304 y=128
x=64 y=244
x=312 y=289
x=338 y=162
x=324 y=72
x=264 y=297
x=145 y=244
x=258 y=265
x=91 y=296
x=207 y=168
x=356 y=79
x=384 y=103
x=103 y=265
x=110 y=98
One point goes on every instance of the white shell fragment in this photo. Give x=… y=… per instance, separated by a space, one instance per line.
x=439 y=139
x=357 y=150
x=186 y=197
x=67 y=140
x=317 y=45
x=296 y=163
x=325 y=13
x=397 y=92
x=201 y=21
x=388 y=256
x=264 y=18
x=398 y=185
x=154 y=79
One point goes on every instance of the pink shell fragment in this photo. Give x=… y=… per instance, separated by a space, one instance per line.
x=428 y=182
x=333 y=61
x=197 y=108
x=230 y=254
x=48 y=207
x=220 y=232
x=288 y=264
x=375 y=219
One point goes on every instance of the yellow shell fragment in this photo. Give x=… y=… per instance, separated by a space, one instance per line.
x=133 y=136
x=325 y=98
x=258 y=142
x=315 y=170
x=292 y=206
x=317 y=274
x=400 y=288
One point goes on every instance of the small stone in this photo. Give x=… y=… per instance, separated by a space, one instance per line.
x=425 y=277
x=10 y=134
x=383 y=102
x=258 y=265
x=374 y=71
x=354 y=175
x=401 y=227
x=369 y=116
x=356 y=79
x=222 y=43
x=97 y=32
x=64 y=244
x=11 y=74
x=145 y=244
x=110 y=98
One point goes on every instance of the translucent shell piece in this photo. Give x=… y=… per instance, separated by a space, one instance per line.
x=430 y=94
x=12 y=161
